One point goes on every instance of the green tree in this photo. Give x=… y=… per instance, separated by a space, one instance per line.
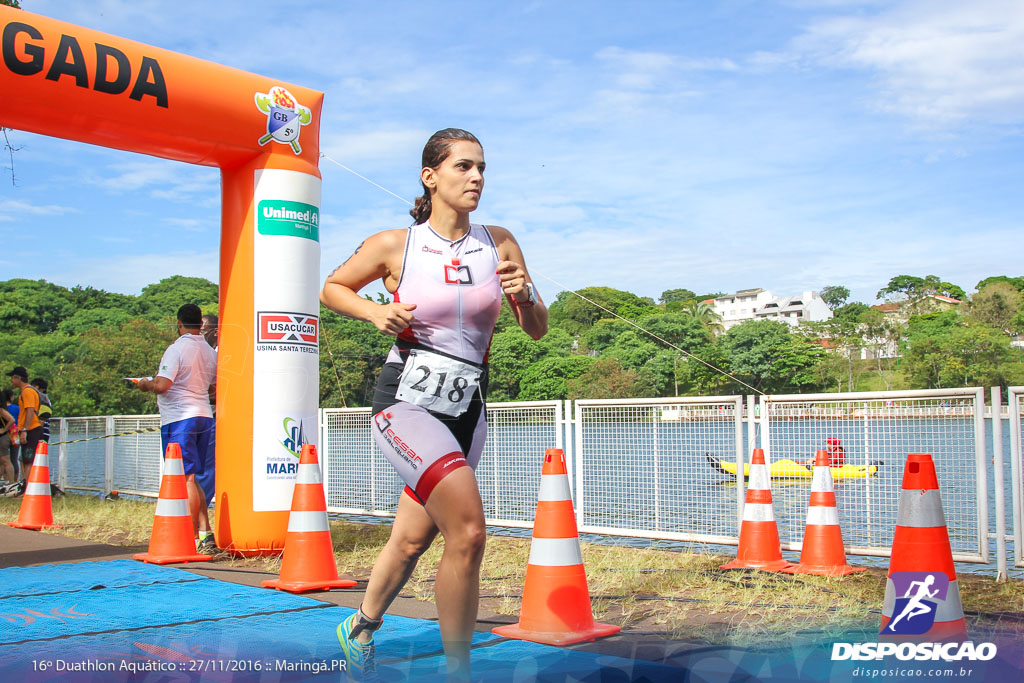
x=705 y=315
x=88 y=318
x=91 y=380
x=1016 y=282
x=850 y=312
x=834 y=296
x=356 y=346
x=160 y=302
x=33 y=305
x=576 y=315
x=769 y=357
x=512 y=353
x=670 y=295
x=343 y=372
x=603 y=334
x=548 y=379
x=996 y=305
x=881 y=337
x=605 y=378
x=913 y=289
x=961 y=355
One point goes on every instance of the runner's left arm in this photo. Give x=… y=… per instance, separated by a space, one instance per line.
x=533 y=318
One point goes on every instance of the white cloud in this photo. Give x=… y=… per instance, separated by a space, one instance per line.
x=938 y=62
x=129 y=273
x=20 y=208
x=192 y=224
x=160 y=179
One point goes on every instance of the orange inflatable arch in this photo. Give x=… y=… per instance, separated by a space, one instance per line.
x=65 y=81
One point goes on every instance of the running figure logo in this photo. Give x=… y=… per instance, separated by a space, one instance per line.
x=285 y=117
x=914 y=613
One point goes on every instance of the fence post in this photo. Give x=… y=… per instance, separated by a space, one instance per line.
x=578 y=447
x=564 y=440
x=322 y=414
x=1017 y=480
x=62 y=467
x=997 y=467
x=982 y=469
x=108 y=453
x=741 y=455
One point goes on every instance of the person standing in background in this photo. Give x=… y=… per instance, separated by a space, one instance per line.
x=7 y=473
x=207 y=479
x=182 y=384
x=12 y=408
x=45 y=407
x=30 y=427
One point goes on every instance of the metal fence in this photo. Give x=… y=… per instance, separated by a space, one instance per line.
x=1015 y=399
x=884 y=427
x=358 y=478
x=640 y=467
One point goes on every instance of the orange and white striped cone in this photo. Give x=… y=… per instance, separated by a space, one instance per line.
x=308 y=563
x=822 y=552
x=922 y=597
x=36 y=507
x=556 y=600
x=173 y=536
x=759 y=546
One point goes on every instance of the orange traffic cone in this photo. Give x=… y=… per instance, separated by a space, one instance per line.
x=36 y=507
x=822 y=551
x=556 y=600
x=308 y=563
x=759 y=536
x=922 y=597
x=173 y=537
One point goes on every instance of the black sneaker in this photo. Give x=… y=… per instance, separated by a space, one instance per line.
x=208 y=546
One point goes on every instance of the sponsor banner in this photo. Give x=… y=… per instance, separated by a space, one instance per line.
x=277 y=465
x=285 y=331
x=286 y=356
x=292 y=219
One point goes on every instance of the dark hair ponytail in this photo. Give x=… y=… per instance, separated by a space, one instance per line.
x=437 y=149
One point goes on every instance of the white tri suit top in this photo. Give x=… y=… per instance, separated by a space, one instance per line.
x=429 y=416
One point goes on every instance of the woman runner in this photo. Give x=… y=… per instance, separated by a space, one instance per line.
x=447 y=277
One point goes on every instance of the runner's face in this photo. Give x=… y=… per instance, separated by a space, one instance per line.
x=459 y=180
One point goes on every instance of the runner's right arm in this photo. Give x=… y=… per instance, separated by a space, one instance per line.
x=379 y=256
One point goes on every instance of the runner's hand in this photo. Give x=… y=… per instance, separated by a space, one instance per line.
x=513 y=279
x=393 y=318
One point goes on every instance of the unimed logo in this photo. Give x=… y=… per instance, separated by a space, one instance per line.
x=922 y=652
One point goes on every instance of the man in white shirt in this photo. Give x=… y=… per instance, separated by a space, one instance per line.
x=187 y=369
x=207 y=479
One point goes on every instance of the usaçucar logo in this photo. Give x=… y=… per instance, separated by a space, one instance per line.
x=287 y=328
x=285 y=117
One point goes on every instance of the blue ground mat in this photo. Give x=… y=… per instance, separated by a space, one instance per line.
x=166 y=626
x=49 y=578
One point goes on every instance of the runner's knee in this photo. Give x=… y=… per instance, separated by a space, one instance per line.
x=467 y=538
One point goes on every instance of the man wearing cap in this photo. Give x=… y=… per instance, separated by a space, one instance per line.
x=187 y=369
x=30 y=428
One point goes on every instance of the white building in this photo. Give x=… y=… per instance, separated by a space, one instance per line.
x=761 y=304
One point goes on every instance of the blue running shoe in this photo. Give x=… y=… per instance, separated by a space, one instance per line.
x=359 y=657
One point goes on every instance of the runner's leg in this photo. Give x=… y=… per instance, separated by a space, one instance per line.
x=456 y=508
x=411 y=534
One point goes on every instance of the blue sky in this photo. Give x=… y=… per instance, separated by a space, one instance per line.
x=643 y=145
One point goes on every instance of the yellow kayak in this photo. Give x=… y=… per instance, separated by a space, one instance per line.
x=791 y=469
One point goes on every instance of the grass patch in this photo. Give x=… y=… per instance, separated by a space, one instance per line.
x=681 y=594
